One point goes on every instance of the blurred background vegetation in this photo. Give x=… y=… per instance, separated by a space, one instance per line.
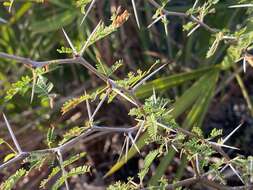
x=205 y=92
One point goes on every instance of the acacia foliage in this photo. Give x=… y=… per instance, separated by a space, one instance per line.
x=156 y=116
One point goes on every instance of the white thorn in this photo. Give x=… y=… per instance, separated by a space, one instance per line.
x=89 y=38
x=147 y=77
x=124 y=96
x=3 y=20
x=165 y=127
x=135 y=14
x=244 y=64
x=241 y=6
x=12 y=135
x=100 y=104
x=88 y=106
x=87 y=12
x=173 y=146
x=193 y=30
x=133 y=143
x=155 y=21
x=224 y=140
x=223 y=145
x=69 y=42
x=236 y=173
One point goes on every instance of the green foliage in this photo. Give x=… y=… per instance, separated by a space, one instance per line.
x=82 y=4
x=134 y=78
x=66 y=50
x=54 y=22
x=188 y=72
x=108 y=71
x=74 y=132
x=72 y=103
x=103 y=31
x=50 y=137
x=13 y=179
x=43 y=87
x=147 y=162
x=73 y=172
x=213 y=48
x=9 y=156
x=122 y=186
x=215 y=133
x=57 y=169
x=20 y=86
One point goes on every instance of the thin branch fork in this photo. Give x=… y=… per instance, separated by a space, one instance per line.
x=76 y=59
x=184 y=15
x=194 y=180
x=63 y=148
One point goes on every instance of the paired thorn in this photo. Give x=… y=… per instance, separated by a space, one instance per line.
x=133 y=142
x=139 y=131
x=223 y=141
